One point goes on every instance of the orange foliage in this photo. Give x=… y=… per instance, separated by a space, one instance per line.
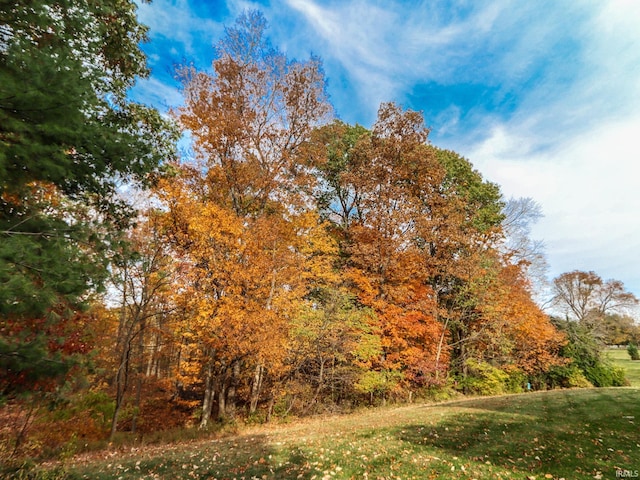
x=387 y=266
x=519 y=332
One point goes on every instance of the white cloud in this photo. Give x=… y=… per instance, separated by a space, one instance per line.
x=175 y=20
x=152 y=91
x=577 y=154
x=385 y=49
x=356 y=37
x=564 y=125
x=588 y=189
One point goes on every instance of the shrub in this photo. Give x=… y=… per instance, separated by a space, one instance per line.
x=516 y=381
x=619 y=377
x=440 y=393
x=603 y=374
x=632 y=349
x=378 y=383
x=484 y=379
x=567 y=376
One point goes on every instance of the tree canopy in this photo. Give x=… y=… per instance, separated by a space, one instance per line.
x=297 y=263
x=585 y=296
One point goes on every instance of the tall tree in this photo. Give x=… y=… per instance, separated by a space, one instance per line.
x=241 y=217
x=621 y=329
x=141 y=277
x=251 y=117
x=376 y=188
x=459 y=230
x=68 y=137
x=414 y=223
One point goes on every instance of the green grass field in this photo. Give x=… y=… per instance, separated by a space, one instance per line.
x=570 y=434
x=620 y=357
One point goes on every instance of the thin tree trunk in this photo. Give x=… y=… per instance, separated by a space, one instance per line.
x=23 y=431
x=231 y=391
x=121 y=381
x=221 y=391
x=209 y=393
x=136 y=403
x=178 y=383
x=256 y=386
x=114 y=418
x=440 y=347
x=333 y=379
x=272 y=401
x=152 y=364
x=222 y=401
x=136 y=407
x=120 y=339
x=122 y=374
x=320 y=384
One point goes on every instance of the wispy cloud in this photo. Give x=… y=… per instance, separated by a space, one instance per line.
x=385 y=49
x=152 y=91
x=178 y=22
x=574 y=150
x=587 y=187
x=543 y=97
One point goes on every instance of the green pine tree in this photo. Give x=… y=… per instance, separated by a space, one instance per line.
x=68 y=136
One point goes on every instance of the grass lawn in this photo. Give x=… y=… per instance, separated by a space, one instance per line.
x=621 y=357
x=570 y=434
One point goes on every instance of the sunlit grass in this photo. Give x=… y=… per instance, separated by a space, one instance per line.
x=559 y=434
x=632 y=367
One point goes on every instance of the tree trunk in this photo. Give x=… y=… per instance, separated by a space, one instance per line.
x=255 y=388
x=222 y=401
x=121 y=383
x=209 y=393
x=136 y=404
x=153 y=363
x=272 y=401
x=114 y=418
x=231 y=391
x=440 y=347
x=319 y=386
x=136 y=407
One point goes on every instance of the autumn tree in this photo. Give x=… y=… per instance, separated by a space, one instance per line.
x=250 y=117
x=244 y=279
x=333 y=342
x=142 y=275
x=399 y=176
x=337 y=152
x=383 y=192
x=513 y=332
x=620 y=329
x=240 y=218
x=68 y=136
x=460 y=227
x=587 y=298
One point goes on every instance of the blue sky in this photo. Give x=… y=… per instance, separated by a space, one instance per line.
x=542 y=97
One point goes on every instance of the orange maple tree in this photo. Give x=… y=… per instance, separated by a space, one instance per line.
x=512 y=329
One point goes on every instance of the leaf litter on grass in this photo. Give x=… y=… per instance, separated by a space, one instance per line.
x=564 y=434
